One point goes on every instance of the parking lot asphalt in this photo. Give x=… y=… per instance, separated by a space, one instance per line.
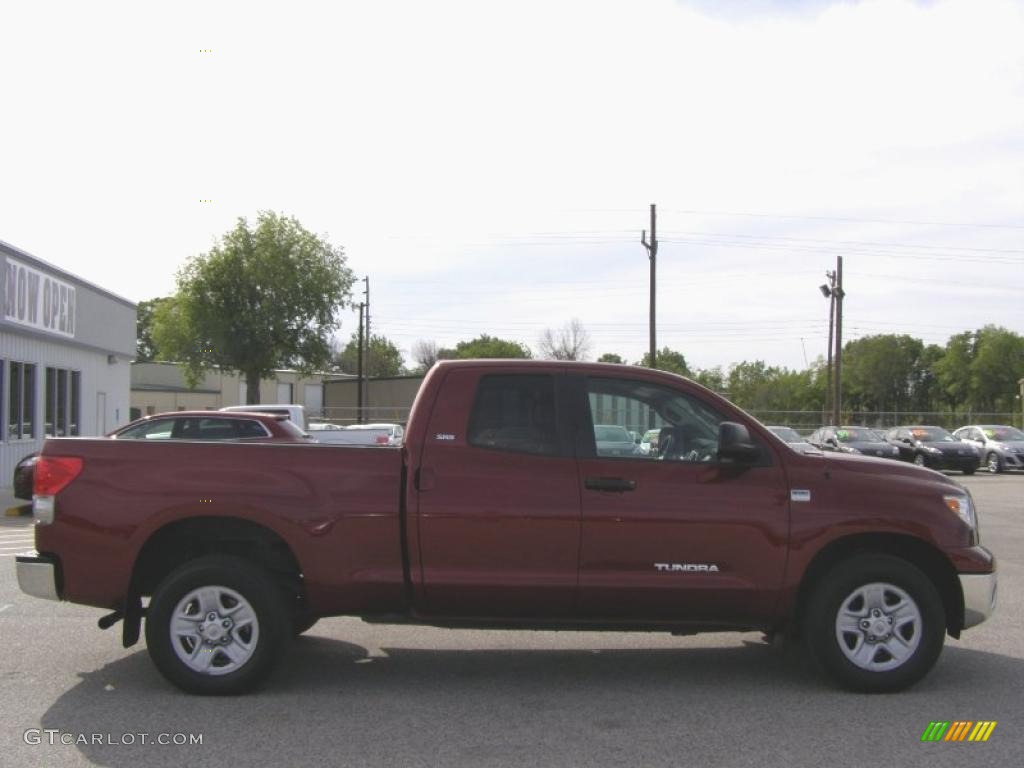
x=352 y=694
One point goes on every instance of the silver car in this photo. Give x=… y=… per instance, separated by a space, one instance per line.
x=999 y=446
x=613 y=440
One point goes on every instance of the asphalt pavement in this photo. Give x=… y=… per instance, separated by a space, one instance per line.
x=352 y=694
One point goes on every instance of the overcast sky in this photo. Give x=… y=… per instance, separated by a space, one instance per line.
x=490 y=164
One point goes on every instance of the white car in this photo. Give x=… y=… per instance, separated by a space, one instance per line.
x=362 y=434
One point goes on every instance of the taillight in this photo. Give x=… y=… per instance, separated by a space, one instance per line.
x=382 y=439
x=53 y=473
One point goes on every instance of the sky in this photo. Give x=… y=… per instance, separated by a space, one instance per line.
x=490 y=165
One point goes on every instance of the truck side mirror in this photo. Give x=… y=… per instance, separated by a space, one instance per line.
x=734 y=443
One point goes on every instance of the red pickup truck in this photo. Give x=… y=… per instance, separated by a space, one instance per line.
x=502 y=510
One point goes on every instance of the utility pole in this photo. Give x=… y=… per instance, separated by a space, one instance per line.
x=359 y=370
x=837 y=400
x=829 y=292
x=652 y=255
x=366 y=293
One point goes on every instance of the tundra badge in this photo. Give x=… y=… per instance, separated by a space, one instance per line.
x=687 y=567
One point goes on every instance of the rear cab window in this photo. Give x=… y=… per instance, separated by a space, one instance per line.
x=515 y=413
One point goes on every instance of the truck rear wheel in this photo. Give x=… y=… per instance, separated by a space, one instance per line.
x=875 y=623
x=217 y=625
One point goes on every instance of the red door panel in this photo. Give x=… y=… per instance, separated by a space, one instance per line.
x=498 y=530
x=692 y=542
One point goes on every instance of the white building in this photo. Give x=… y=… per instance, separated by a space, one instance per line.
x=66 y=348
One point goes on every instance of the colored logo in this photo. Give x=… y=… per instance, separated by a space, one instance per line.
x=958 y=730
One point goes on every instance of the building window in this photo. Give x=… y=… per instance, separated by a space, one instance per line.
x=62 y=407
x=76 y=403
x=21 y=401
x=150 y=410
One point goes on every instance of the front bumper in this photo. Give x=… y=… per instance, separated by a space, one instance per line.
x=38 y=576
x=979 y=597
x=952 y=461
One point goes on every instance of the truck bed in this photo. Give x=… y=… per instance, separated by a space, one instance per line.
x=336 y=507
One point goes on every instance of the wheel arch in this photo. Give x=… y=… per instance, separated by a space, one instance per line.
x=918 y=552
x=180 y=541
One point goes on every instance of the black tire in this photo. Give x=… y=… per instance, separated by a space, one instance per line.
x=262 y=596
x=994 y=463
x=970 y=471
x=821 y=635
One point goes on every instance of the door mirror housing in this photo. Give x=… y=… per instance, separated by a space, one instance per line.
x=734 y=444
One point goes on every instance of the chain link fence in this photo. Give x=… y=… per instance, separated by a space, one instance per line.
x=806 y=422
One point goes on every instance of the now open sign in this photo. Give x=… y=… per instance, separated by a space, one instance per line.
x=34 y=299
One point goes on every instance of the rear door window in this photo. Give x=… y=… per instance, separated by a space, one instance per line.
x=249 y=428
x=515 y=413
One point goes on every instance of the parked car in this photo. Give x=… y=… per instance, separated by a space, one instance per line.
x=297 y=413
x=613 y=440
x=23 y=474
x=999 y=446
x=499 y=510
x=323 y=426
x=933 y=447
x=793 y=439
x=185 y=425
x=853 y=440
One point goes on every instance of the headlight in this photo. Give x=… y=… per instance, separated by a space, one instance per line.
x=963 y=505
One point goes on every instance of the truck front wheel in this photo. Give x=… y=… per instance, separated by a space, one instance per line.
x=217 y=625
x=875 y=623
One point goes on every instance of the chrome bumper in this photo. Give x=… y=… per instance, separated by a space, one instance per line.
x=979 y=597
x=37 y=576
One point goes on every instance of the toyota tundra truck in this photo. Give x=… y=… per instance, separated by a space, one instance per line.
x=501 y=510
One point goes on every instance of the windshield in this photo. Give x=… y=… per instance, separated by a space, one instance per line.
x=611 y=434
x=788 y=434
x=1003 y=433
x=932 y=435
x=856 y=435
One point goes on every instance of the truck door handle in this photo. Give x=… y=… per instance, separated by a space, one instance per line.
x=619 y=484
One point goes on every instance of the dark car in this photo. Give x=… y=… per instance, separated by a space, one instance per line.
x=853 y=440
x=23 y=476
x=934 y=447
x=186 y=425
x=794 y=439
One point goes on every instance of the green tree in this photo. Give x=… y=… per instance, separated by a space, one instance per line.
x=611 y=357
x=383 y=358
x=263 y=298
x=485 y=346
x=880 y=372
x=667 y=360
x=997 y=367
x=953 y=370
x=145 y=347
x=712 y=378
